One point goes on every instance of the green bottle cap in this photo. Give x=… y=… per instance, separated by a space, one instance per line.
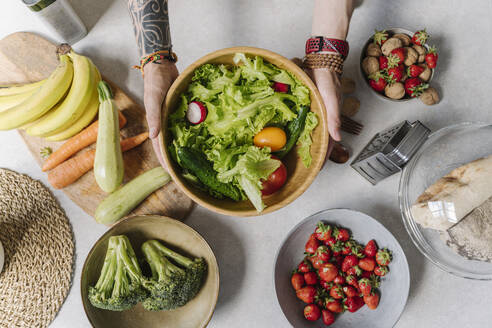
x=38 y=5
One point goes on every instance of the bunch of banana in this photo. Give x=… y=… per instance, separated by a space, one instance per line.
x=58 y=107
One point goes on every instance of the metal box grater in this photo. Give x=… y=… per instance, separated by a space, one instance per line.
x=389 y=150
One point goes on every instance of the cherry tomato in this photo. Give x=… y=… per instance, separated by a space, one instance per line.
x=272 y=137
x=275 y=181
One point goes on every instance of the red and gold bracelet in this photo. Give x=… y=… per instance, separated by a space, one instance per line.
x=326 y=53
x=158 y=55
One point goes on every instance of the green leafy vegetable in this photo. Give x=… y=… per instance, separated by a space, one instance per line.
x=240 y=102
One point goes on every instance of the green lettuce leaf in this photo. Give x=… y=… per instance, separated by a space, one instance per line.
x=304 y=142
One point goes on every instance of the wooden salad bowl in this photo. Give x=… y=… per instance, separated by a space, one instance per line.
x=299 y=178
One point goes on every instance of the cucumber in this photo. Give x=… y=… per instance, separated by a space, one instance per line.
x=108 y=164
x=124 y=200
x=294 y=129
x=198 y=165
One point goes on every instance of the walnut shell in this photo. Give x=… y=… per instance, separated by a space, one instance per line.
x=421 y=51
x=373 y=50
x=347 y=85
x=426 y=74
x=370 y=65
x=411 y=56
x=421 y=59
x=395 y=90
x=391 y=44
x=350 y=106
x=429 y=96
x=405 y=39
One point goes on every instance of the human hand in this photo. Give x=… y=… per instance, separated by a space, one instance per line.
x=328 y=84
x=158 y=78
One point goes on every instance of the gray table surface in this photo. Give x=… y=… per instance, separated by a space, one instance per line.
x=245 y=248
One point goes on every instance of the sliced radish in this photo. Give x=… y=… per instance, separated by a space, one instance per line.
x=280 y=87
x=196 y=113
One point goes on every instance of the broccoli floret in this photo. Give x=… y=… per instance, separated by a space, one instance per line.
x=120 y=284
x=171 y=286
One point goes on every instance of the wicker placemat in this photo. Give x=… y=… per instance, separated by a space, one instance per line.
x=39 y=252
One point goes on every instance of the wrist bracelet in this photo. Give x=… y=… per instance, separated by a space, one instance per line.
x=158 y=55
x=320 y=43
x=332 y=62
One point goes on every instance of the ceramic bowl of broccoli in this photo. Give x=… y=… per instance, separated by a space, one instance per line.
x=150 y=271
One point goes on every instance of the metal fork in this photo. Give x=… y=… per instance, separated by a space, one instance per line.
x=351 y=126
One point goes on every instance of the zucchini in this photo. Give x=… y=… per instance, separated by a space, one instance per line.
x=124 y=200
x=199 y=166
x=108 y=164
x=294 y=129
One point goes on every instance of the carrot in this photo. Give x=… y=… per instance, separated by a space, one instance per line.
x=76 y=143
x=71 y=170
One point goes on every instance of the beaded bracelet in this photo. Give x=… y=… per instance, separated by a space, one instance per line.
x=158 y=55
x=332 y=61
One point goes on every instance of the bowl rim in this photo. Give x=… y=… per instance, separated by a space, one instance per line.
x=323 y=124
x=186 y=227
x=407 y=218
x=393 y=30
x=303 y=221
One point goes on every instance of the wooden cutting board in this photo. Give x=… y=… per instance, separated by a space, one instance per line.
x=27 y=57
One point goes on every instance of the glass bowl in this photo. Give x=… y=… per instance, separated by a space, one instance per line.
x=444 y=151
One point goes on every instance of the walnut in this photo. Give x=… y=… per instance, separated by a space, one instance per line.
x=370 y=65
x=426 y=74
x=429 y=96
x=405 y=39
x=395 y=90
x=391 y=44
x=411 y=56
x=373 y=50
x=348 y=85
x=350 y=106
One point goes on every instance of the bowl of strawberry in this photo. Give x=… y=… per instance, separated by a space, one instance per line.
x=342 y=268
x=398 y=65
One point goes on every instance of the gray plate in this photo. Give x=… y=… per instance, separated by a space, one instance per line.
x=394 y=286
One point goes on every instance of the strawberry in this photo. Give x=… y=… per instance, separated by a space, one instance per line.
x=337 y=260
x=336 y=292
x=372 y=300
x=352 y=281
x=297 y=281
x=312 y=244
x=306 y=294
x=395 y=74
x=350 y=291
x=431 y=57
x=330 y=241
x=365 y=286
x=383 y=62
x=333 y=305
x=323 y=253
x=367 y=264
x=327 y=317
x=414 y=88
x=414 y=70
x=354 y=303
x=326 y=285
x=347 y=249
x=377 y=81
x=354 y=271
x=341 y=234
x=371 y=248
x=357 y=250
x=280 y=87
x=339 y=279
x=381 y=270
x=316 y=262
x=420 y=37
x=400 y=53
x=349 y=261
x=312 y=312
x=328 y=272
x=311 y=278
x=383 y=257
x=380 y=37
x=366 y=274
x=323 y=231
x=304 y=266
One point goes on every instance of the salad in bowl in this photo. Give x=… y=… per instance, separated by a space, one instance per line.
x=234 y=125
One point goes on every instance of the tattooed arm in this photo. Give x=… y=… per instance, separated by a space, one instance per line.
x=151 y=26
